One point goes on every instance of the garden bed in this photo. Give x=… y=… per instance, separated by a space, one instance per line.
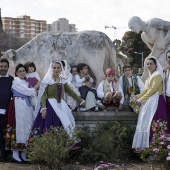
x=12 y=166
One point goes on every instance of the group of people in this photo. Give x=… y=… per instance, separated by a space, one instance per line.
x=23 y=113
x=27 y=111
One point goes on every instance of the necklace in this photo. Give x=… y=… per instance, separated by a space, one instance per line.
x=56 y=79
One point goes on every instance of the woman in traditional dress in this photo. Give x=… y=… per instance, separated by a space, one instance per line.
x=19 y=115
x=51 y=109
x=153 y=106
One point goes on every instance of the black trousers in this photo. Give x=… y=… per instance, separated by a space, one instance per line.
x=84 y=90
x=2 y=140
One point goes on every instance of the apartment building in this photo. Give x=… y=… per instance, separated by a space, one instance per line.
x=23 y=26
x=62 y=25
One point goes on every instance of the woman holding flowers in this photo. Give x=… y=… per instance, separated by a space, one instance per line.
x=152 y=104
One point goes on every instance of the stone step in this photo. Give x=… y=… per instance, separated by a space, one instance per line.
x=92 y=118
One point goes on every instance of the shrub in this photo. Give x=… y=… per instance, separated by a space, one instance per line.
x=159 y=148
x=108 y=142
x=51 y=148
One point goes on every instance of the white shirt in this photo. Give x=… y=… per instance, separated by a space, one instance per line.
x=140 y=85
x=7 y=75
x=33 y=75
x=74 y=82
x=80 y=81
x=22 y=87
x=100 y=92
x=168 y=87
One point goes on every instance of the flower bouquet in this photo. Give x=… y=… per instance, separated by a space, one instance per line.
x=136 y=108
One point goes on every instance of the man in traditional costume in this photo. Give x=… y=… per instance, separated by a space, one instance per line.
x=5 y=97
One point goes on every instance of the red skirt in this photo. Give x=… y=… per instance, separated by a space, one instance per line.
x=10 y=130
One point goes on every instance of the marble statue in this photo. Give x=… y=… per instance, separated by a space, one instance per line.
x=91 y=47
x=155 y=34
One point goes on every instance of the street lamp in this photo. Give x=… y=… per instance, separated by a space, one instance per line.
x=141 y=55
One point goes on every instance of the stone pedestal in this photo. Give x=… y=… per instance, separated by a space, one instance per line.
x=92 y=118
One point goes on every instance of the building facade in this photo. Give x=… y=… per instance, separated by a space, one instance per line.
x=62 y=25
x=23 y=26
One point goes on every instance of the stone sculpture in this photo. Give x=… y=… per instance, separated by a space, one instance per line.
x=155 y=34
x=91 y=47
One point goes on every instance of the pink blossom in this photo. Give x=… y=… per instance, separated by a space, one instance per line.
x=168 y=158
x=156 y=125
x=168 y=147
x=104 y=165
x=161 y=143
x=162 y=136
x=155 y=150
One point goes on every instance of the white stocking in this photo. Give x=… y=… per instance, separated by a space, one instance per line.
x=15 y=155
x=23 y=156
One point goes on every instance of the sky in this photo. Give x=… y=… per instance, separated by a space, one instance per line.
x=89 y=14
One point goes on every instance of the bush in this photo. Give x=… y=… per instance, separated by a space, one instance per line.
x=51 y=148
x=159 y=148
x=108 y=142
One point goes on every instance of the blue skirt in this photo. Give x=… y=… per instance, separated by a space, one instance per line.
x=41 y=125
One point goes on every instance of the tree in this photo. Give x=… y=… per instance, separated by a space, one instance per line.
x=132 y=43
x=8 y=41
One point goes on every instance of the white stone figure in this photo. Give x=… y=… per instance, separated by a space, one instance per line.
x=90 y=47
x=156 y=35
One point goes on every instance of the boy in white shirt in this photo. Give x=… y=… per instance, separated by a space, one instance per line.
x=108 y=90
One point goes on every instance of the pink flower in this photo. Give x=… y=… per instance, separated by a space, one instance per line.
x=168 y=158
x=161 y=143
x=162 y=136
x=156 y=125
x=168 y=147
x=155 y=150
x=104 y=165
x=165 y=128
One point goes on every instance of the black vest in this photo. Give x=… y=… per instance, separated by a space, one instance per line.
x=5 y=91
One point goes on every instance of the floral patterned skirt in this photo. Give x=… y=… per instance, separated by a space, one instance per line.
x=161 y=114
x=10 y=130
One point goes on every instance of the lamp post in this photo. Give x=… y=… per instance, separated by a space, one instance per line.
x=141 y=55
